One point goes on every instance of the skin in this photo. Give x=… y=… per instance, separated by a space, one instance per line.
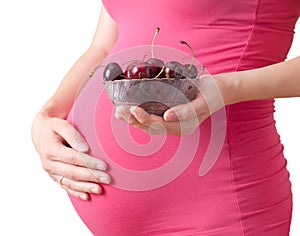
x=63 y=151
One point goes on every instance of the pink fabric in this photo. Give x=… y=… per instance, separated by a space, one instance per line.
x=247 y=192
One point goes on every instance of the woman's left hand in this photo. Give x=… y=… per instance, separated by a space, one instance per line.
x=179 y=120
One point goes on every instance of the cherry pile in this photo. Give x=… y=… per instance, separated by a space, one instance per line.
x=152 y=68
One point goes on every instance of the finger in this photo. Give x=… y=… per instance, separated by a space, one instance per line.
x=123 y=113
x=144 y=117
x=187 y=111
x=152 y=124
x=81 y=195
x=155 y=125
x=79 y=186
x=182 y=127
x=77 y=173
x=71 y=156
x=71 y=136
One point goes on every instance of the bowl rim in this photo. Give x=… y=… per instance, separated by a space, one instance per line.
x=153 y=79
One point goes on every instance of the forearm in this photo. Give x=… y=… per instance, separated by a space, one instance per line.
x=62 y=100
x=103 y=41
x=275 y=81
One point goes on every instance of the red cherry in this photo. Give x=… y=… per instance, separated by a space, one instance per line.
x=156 y=65
x=138 y=70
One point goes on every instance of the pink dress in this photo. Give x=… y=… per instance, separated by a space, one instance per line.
x=247 y=191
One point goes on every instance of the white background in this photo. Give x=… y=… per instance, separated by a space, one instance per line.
x=39 y=41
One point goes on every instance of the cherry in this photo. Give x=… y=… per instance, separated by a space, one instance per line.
x=174 y=69
x=138 y=70
x=191 y=71
x=112 y=71
x=152 y=68
x=156 y=66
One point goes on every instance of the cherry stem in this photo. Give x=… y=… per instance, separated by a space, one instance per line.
x=94 y=70
x=201 y=72
x=130 y=61
x=123 y=76
x=126 y=62
x=144 y=57
x=161 y=71
x=193 y=54
x=152 y=44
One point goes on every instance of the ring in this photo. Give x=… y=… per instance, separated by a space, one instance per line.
x=61 y=179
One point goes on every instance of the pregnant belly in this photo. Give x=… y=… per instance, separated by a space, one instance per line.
x=186 y=205
x=156 y=186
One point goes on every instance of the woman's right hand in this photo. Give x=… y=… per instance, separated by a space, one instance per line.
x=64 y=157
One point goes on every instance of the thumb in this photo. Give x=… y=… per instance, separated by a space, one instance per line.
x=183 y=111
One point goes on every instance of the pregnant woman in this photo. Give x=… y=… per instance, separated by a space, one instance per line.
x=246 y=189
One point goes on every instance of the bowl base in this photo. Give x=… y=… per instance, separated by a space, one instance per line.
x=155 y=108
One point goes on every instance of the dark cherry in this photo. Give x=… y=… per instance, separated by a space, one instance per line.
x=155 y=62
x=155 y=66
x=112 y=71
x=174 y=69
x=138 y=70
x=191 y=71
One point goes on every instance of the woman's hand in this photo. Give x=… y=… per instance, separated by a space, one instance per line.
x=63 y=155
x=180 y=120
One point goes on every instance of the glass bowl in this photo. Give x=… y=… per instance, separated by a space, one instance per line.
x=153 y=95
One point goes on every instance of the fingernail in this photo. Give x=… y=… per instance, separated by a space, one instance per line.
x=117 y=115
x=132 y=110
x=83 y=196
x=101 y=167
x=82 y=147
x=104 y=179
x=171 y=116
x=95 y=190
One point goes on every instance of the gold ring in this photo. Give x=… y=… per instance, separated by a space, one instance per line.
x=61 y=179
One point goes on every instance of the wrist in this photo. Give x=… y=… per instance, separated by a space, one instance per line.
x=51 y=109
x=230 y=87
